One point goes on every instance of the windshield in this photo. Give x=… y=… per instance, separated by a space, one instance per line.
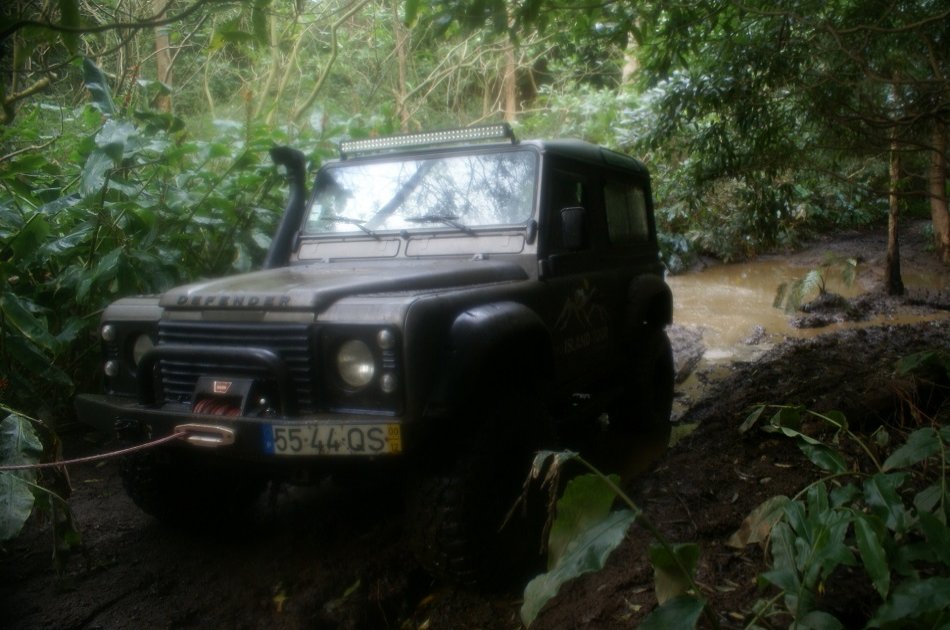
x=456 y=192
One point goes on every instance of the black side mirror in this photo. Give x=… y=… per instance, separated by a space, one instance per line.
x=574 y=228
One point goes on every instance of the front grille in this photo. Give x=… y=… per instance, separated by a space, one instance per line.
x=291 y=342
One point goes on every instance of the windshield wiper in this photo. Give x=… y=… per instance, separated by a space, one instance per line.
x=448 y=219
x=356 y=222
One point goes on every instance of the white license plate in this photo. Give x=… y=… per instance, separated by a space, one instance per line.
x=332 y=439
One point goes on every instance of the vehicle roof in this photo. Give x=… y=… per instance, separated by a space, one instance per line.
x=567 y=147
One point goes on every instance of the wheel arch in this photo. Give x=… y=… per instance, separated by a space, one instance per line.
x=649 y=302
x=491 y=342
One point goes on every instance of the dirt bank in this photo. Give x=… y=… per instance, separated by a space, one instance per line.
x=336 y=557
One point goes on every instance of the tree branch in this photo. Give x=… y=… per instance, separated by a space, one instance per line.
x=150 y=22
x=334 y=51
x=8 y=103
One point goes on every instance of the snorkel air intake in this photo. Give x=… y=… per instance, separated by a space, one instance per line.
x=296 y=165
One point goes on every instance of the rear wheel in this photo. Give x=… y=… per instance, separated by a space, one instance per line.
x=648 y=402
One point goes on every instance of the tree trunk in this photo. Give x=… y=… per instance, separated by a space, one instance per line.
x=163 y=60
x=939 y=213
x=402 y=36
x=631 y=64
x=509 y=84
x=892 y=272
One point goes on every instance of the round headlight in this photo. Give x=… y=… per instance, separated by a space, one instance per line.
x=355 y=363
x=111 y=368
x=143 y=343
x=108 y=332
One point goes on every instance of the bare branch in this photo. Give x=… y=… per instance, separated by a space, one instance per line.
x=150 y=22
x=8 y=103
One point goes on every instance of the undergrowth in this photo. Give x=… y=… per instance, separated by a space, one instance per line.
x=877 y=515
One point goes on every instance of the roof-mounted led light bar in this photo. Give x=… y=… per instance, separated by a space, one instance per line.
x=430 y=138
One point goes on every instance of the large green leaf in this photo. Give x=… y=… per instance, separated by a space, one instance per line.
x=680 y=612
x=584 y=534
x=926 y=601
x=920 y=445
x=16 y=504
x=19 y=444
x=94 y=172
x=674 y=567
x=938 y=537
x=27 y=240
x=824 y=457
x=881 y=494
x=15 y=312
x=868 y=532
x=586 y=501
x=98 y=87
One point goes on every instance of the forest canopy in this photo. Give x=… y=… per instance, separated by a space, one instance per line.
x=134 y=137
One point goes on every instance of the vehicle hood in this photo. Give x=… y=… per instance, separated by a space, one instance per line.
x=317 y=286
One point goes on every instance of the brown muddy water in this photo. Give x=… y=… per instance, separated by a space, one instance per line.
x=731 y=306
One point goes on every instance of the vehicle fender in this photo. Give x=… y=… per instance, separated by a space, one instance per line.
x=490 y=343
x=649 y=303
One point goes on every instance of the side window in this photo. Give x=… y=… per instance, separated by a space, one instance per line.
x=626 y=213
x=568 y=190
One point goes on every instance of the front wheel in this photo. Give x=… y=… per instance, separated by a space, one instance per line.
x=463 y=527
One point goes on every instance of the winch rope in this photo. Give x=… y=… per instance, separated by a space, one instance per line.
x=101 y=456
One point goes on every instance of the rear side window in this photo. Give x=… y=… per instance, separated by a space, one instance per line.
x=626 y=213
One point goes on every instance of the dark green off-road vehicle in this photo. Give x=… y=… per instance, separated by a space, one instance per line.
x=440 y=305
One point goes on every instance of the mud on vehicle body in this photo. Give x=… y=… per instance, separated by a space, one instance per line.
x=440 y=303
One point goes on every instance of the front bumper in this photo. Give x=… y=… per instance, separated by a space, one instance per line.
x=276 y=439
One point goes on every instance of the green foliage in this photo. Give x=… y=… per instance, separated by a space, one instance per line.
x=19 y=445
x=790 y=296
x=24 y=490
x=120 y=203
x=583 y=535
x=586 y=531
x=890 y=522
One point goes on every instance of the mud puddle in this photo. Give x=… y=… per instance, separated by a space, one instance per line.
x=726 y=315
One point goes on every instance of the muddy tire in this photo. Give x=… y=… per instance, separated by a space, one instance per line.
x=174 y=488
x=457 y=515
x=649 y=402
